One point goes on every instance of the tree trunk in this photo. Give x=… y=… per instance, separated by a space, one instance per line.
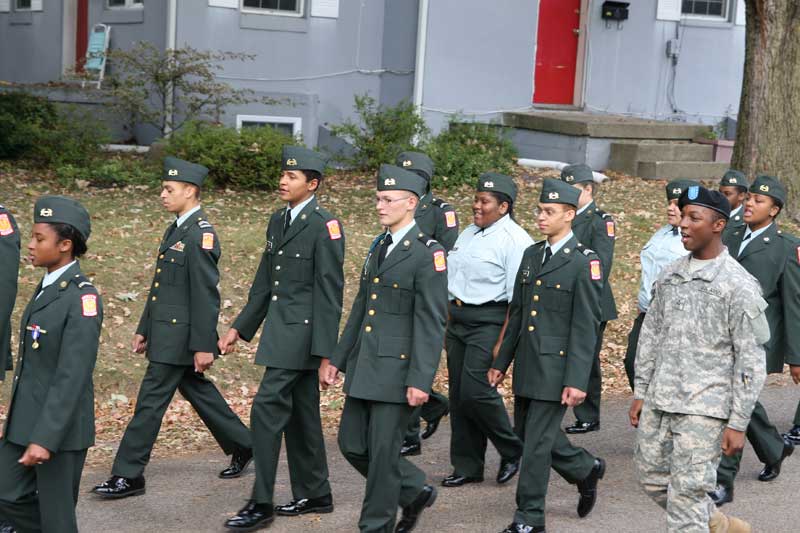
x=768 y=131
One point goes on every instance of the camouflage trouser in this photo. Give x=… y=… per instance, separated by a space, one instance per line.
x=676 y=458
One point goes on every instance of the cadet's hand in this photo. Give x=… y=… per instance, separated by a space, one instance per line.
x=795 y=370
x=323 y=373
x=330 y=376
x=571 y=396
x=416 y=397
x=203 y=361
x=34 y=455
x=635 y=411
x=139 y=343
x=227 y=344
x=495 y=377
x=732 y=441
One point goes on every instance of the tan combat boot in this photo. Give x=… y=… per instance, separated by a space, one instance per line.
x=719 y=523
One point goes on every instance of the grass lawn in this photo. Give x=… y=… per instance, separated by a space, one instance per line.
x=127 y=228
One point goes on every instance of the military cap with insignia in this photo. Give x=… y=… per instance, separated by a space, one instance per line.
x=559 y=192
x=495 y=182
x=676 y=187
x=770 y=186
x=734 y=178
x=301 y=158
x=416 y=162
x=179 y=170
x=63 y=210
x=699 y=195
x=579 y=173
x=392 y=178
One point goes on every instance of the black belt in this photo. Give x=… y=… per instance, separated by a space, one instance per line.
x=459 y=303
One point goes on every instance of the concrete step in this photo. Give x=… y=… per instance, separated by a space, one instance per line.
x=670 y=170
x=625 y=156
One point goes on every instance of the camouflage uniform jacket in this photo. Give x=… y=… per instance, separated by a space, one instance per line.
x=701 y=346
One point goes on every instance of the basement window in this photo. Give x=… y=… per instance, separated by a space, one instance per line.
x=23 y=4
x=122 y=4
x=709 y=9
x=289 y=8
x=292 y=126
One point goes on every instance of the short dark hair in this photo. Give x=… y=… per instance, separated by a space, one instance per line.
x=503 y=197
x=67 y=232
x=312 y=175
x=716 y=215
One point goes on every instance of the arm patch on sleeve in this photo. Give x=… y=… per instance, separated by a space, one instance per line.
x=595 y=270
x=610 y=228
x=5 y=225
x=450 y=219
x=439 y=261
x=334 y=230
x=208 y=241
x=89 y=305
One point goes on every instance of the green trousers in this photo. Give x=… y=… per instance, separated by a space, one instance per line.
x=546 y=445
x=477 y=413
x=287 y=404
x=155 y=394
x=633 y=342
x=589 y=410
x=436 y=407
x=41 y=498
x=766 y=441
x=370 y=436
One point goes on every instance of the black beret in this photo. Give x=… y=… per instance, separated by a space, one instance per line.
x=699 y=195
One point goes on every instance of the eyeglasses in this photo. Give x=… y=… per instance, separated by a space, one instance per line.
x=389 y=201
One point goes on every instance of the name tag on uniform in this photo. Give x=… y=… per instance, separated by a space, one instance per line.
x=178 y=246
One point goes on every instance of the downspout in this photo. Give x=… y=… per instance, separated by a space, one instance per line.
x=419 y=67
x=172 y=27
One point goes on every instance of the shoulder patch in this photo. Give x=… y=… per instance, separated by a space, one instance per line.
x=610 y=228
x=334 y=230
x=450 y=219
x=798 y=254
x=204 y=224
x=5 y=225
x=595 y=269
x=439 y=261
x=208 y=241
x=89 y=305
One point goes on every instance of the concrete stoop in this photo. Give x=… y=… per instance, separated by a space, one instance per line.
x=659 y=160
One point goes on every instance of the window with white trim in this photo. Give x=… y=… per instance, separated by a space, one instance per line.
x=292 y=126
x=290 y=8
x=23 y=4
x=121 y=4
x=717 y=9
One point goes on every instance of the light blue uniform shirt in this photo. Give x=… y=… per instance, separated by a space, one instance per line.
x=184 y=217
x=663 y=248
x=482 y=266
x=555 y=248
x=52 y=277
x=296 y=209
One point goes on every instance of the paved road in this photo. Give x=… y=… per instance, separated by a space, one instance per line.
x=185 y=495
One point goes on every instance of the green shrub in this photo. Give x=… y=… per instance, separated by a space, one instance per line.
x=465 y=150
x=22 y=116
x=248 y=159
x=111 y=171
x=381 y=134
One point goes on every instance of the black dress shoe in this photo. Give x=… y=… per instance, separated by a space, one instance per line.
x=239 y=462
x=770 y=472
x=721 y=495
x=456 y=480
x=793 y=435
x=5 y=527
x=582 y=427
x=323 y=504
x=433 y=425
x=588 y=488
x=516 y=527
x=508 y=469
x=120 y=487
x=411 y=513
x=251 y=517
x=410 y=448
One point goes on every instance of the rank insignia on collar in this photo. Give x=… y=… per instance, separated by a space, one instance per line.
x=208 y=241
x=89 y=304
x=178 y=246
x=46 y=212
x=450 y=219
x=270 y=245
x=173 y=172
x=5 y=225
x=439 y=261
x=595 y=270
x=334 y=231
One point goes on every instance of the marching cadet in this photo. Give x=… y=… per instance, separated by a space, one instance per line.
x=771 y=256
x=595 y=229
x=700 y=367
x=178 y=333
x=437 y=219
x=50 y=423
x=734 y=186
x=551 y=336
x=297 y=292
x=9 y=271
x=390 y=351
x=663 y=248
x=482 y=270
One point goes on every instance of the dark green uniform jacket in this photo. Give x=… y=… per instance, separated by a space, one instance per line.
x=298 y=289
x=52 y=401
x=735 y=224
x=552 y=325
x=772 y=258
x=595 y=229
x=180 y=316
x=438 y=219
x=9 y=271
x=394 y=336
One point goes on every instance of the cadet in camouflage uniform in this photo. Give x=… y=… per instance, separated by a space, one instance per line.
x=9 y=271
x=595 y=229
x=700 y=367
x=734 y=186
x=437 y=219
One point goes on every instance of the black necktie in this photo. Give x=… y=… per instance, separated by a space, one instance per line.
x=287 y=221
x=387 y=241
x=674 y=230
x=548 y=253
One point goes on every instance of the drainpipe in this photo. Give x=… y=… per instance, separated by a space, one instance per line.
x=422 y=43
x=172 y=26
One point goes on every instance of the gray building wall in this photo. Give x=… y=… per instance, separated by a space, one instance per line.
x=30 y=44
x=128 y=26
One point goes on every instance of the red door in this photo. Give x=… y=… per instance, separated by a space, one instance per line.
x=556 y=51
x=81 y=33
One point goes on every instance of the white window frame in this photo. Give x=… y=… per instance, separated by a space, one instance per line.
x=725 y=17
x=300 y=13
x=17 y=8
x=129 y=4
x=296 y=122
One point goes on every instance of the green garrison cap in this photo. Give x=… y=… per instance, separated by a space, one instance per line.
x=769 y=186
x=699 y=195
x=734 y=178
x=301 y=158
x=179 y=170
x=579 y=173
x=676 y=187
x=494 y=182
x=416 y=162
x=559 y=192
x=392 y=178
x=62 y=210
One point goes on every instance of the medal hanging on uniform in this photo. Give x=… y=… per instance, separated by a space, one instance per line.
x=36 y=332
